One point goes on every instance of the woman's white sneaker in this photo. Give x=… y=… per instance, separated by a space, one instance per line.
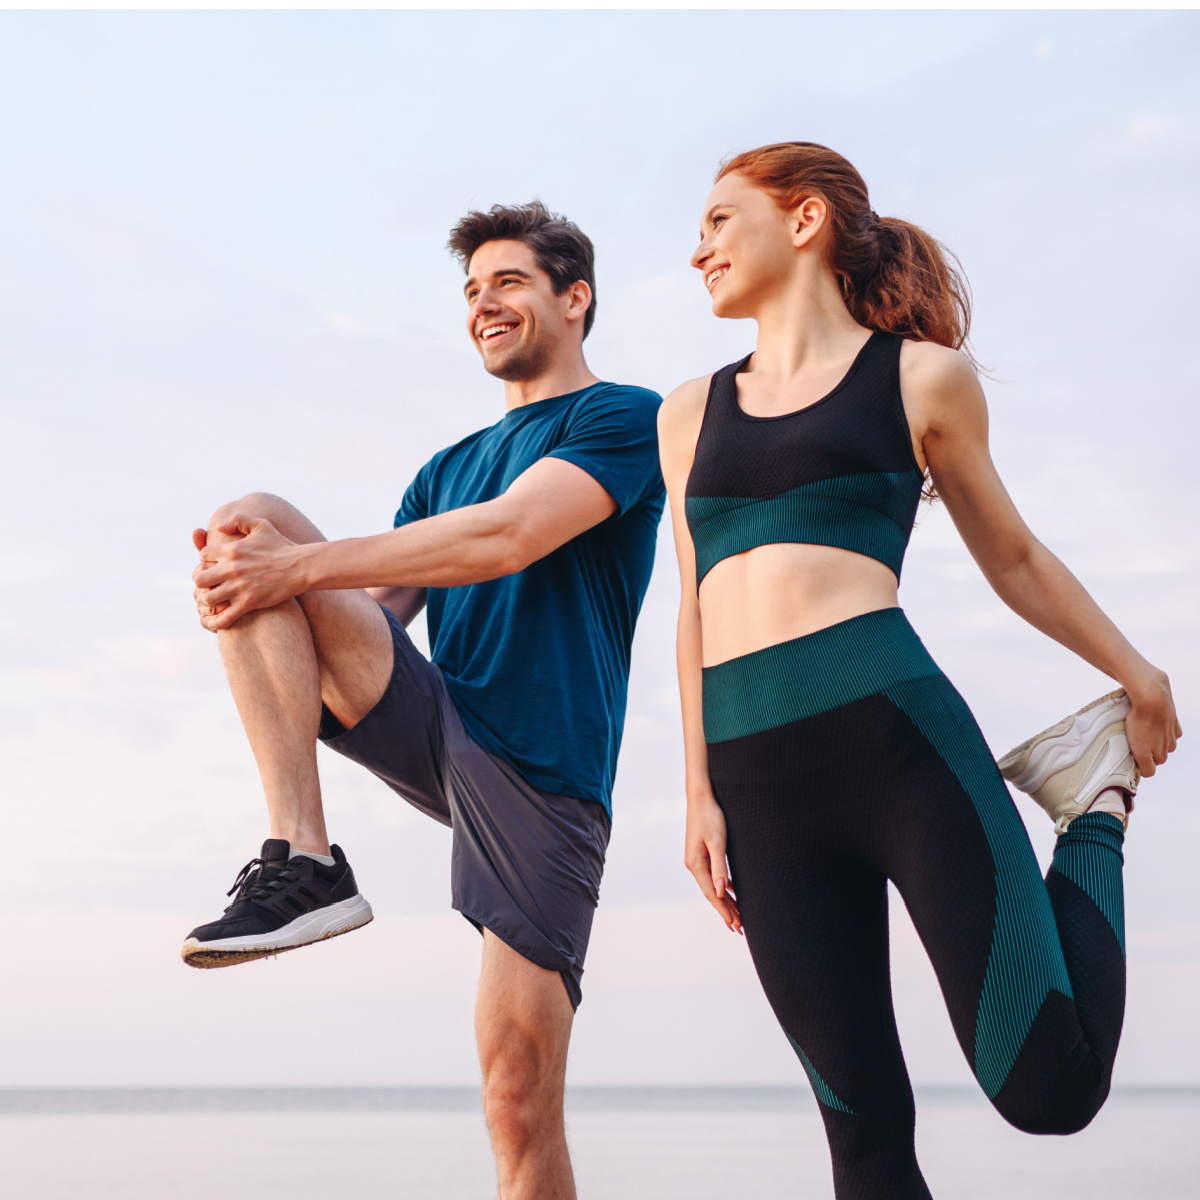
x=1064 y=768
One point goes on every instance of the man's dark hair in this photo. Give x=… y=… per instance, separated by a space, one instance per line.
x=561 y=248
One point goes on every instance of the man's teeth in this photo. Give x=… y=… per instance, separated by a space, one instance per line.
x=492 y=330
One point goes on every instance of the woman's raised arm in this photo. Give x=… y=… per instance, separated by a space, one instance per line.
x=948 y=414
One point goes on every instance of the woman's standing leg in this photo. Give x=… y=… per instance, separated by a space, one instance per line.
x=814 y=910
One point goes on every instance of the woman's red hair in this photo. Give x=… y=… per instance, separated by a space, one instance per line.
x=893 y=275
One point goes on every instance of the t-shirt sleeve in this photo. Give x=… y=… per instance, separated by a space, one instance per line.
x=415 y=505
x=614 y=438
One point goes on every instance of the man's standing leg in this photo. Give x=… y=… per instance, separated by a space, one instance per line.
x=523 y=1024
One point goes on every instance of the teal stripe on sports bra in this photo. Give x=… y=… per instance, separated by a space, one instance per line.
x=871 y=514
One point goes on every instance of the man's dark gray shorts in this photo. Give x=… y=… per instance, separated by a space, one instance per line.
x=525 y=863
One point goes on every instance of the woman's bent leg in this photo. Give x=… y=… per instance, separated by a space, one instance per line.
x=1033 y=971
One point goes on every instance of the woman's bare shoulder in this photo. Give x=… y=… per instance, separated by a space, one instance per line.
x=931 y=367
x=683 y=408
x=941 y=390
x=679 y=421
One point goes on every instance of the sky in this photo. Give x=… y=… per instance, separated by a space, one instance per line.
x=222 y=269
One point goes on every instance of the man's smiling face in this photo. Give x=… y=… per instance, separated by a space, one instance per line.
x=513 y=316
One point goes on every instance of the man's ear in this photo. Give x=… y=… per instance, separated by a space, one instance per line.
x=579 y=299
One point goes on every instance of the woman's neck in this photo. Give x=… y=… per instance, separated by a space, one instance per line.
x=804 y=326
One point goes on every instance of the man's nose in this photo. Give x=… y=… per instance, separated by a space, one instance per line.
x=486 y=301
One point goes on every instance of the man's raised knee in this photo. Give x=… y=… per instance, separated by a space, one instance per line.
x=287 y=518
x=254 y=504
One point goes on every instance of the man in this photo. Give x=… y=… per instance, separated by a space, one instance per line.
x=532 y=543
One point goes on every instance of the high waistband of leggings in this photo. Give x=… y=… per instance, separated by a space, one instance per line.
x=813 y=674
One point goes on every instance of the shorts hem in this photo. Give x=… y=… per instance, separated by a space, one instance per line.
x=569 y=974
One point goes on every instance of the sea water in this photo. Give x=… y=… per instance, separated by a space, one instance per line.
x=627 y=1144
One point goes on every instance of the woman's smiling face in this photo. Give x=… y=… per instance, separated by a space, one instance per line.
x=747 y=248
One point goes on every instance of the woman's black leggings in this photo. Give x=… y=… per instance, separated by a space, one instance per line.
x=842 y=760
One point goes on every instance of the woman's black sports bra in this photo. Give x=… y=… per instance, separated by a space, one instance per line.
x=840 y=472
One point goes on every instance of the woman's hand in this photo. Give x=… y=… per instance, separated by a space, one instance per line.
x=704 y=856
x=1152 y=726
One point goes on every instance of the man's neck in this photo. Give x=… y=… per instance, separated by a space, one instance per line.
x=569 y=375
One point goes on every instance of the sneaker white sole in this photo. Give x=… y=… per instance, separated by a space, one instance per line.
x=330 y=921
x=1061 y=746
x=1064 y=768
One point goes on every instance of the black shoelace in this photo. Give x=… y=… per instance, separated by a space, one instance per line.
x=253 y=883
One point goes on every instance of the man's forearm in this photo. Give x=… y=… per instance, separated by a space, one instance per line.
x=468 y=545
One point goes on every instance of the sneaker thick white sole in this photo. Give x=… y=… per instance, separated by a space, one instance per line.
x=317 y=926
x=1064 y=768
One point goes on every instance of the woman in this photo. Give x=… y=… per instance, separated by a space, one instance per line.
x=826 y=753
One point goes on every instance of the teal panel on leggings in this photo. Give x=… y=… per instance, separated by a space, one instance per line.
x=1089 y=855
x=1026 y=959
x=813 y=674
x=823 y=1091
x=870 y=513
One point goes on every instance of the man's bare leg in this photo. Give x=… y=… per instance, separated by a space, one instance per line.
x=272 y=670
x=282 y=661
x=523 y=1024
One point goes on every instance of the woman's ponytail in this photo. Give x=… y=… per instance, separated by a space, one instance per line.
x=893 y=275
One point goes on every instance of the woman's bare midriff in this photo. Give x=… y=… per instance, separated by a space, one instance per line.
x=774 y=593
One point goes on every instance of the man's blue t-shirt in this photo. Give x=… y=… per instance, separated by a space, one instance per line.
x=537 y=663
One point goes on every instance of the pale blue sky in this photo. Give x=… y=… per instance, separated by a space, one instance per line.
x=222 y=268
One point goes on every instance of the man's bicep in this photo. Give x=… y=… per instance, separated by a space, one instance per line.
x=553 y=501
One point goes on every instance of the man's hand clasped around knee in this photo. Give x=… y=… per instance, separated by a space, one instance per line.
x=253 y=566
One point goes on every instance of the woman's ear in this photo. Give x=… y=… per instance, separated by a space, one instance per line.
x=807 y=220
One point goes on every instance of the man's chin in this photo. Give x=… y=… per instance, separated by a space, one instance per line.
x=517 y=366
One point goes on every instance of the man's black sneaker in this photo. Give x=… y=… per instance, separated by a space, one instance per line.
x=280 y=903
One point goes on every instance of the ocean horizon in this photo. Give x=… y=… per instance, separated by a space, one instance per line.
x=460 y=1098
x=627 y=1143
